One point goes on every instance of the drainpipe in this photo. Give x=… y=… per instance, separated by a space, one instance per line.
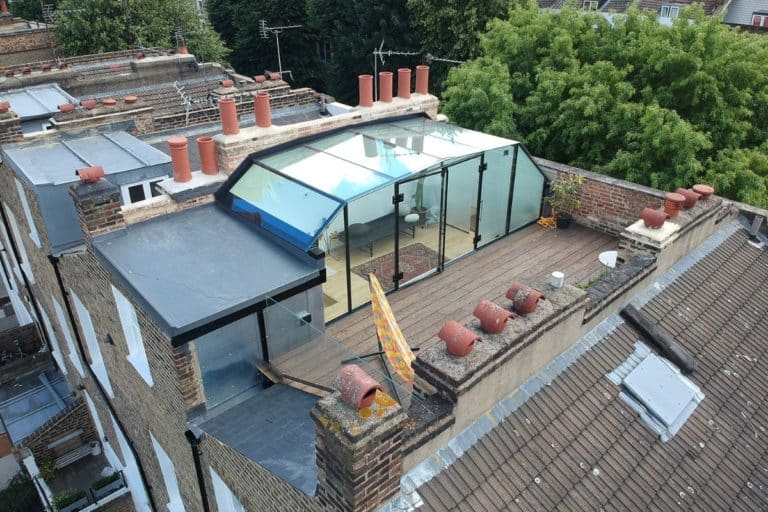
x=70 y=314
x=194 y=444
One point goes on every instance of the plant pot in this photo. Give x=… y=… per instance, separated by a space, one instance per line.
x=95 y=448
x=422 y=213
x=524 y=299
x=653 y=219
x=563 y=221
x=357 y=388
x=459 y=340
x=704 y=190
x=673 y=203
x=493 y=318
x=690 y=197
x=108 y=489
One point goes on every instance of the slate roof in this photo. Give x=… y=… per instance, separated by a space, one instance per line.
x=740 y=11
x=575 y=446
x=710 y=6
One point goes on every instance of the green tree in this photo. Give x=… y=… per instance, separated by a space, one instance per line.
x=94 y=26
x=238 y=23
x=662 y=106
x=348 y=31
x=29 y=9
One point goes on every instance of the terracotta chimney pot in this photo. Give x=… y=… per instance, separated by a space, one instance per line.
x=89 y=104
x=4 y=107
x=182 y=50
x=3 y=8
x=404 y=83
x=365 y=85
x=207 y=149
x=422 y=79
x=227 y=83
x=260 y=79
x=26 y=71
x=109 y=102
x=130 y=100
x=673 y=202
x=690 y=197
x=459 y=340
x=90 y=174
x=653 y=219
x=46 y=68
x=275 y=76
x=10 y=74
x=180 y=159
x=67 y=107
x=228 y=112
x=704 y=190
x=524 y=299
x=493 y=318
x=357 y=388
x=385 y=86
x=261 y=106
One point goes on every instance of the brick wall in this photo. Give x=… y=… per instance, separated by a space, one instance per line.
x=26 y=336
x=10 y=127
x=608 y=204
x=73 y=418
x=25 y=46
x=122 y=504
x=255 y=487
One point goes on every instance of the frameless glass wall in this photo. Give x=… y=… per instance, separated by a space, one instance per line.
x=461 y=207
x=494 y=196
x=229 y=357
x=335 y=287
x=527 y=192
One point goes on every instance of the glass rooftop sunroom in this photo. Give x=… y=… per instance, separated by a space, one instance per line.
x=401 y=198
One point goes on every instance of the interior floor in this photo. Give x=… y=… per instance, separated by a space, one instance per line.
x=457 y=243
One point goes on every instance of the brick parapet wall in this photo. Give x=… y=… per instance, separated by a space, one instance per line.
x=254 y=486
x=233 y=149
x=22 y=46
x=10 y=128
x=607 y=204
x=188 y=369
x=122 y=504
x=359 y=454
x=23 y=366
x=74 y=417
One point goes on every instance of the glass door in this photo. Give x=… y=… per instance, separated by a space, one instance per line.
x=420 y=226
x=494 y=194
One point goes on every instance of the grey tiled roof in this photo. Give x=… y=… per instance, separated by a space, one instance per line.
x=575 y=446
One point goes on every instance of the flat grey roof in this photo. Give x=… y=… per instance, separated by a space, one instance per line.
x=37 y=101
x=196 y=266
x=49 y=168
x=54 y=162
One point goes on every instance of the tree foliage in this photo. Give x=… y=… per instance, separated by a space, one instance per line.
x=95 y=26
x=661 y=106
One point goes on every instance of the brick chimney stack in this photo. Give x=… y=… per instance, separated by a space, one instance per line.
x=359 y=452
x=98 y=207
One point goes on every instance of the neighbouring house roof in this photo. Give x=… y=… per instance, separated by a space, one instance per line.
x=36 y=102
x=710 y=6
x=575 y=445
x=197 y=266
x=49 y=168
x=740 y=11
x=28 y=402
x=286 y=191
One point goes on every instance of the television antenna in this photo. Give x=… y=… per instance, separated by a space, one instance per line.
x=265 y=31
x=378 y=55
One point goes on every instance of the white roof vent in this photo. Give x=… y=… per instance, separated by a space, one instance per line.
x=657 y=390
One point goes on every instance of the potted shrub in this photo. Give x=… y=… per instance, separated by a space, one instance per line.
x=70 y=500
x=107 y=485
x=564 y=199
x=47 y=469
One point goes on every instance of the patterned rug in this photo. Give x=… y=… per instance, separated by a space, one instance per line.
x=416 y=259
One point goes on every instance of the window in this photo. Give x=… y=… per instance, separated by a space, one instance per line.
x=760 y=20
x=590 y=5
x=140 y=191
x=55 y=349
x=73 y=355
x=670 y=11
x=27 y=213
x=24 y=264
x=97 y=363
x=169 y=476
x=132 y=332
x=226 y=501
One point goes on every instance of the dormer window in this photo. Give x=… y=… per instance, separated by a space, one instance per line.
x=760 y=20
x=589 y=5
x=670 y=11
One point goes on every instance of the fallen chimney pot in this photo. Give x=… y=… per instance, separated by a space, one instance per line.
x=90 y=174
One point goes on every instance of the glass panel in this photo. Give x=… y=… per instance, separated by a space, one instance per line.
x=228 y=360
x=153 y=188
x=333 y=176
x=461 y=208
x=437 y=147
x=495 y=194
x=528 y=191
x=454 y=134
x=136 y=193
x=419 y=251
x=288 y=209
x=286 y=333
x=377 y=154
x=370 y=236
x=335 y=286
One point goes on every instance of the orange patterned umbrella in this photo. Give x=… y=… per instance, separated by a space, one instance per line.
x=391 y=338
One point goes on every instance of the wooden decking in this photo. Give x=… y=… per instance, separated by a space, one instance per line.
x=421 y=309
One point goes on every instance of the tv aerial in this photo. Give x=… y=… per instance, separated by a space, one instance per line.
x=265 y=32
x=378 y=55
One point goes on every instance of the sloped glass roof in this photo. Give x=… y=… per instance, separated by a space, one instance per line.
x=296 y=192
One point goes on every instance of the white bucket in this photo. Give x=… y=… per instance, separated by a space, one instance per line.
x=558 y=279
